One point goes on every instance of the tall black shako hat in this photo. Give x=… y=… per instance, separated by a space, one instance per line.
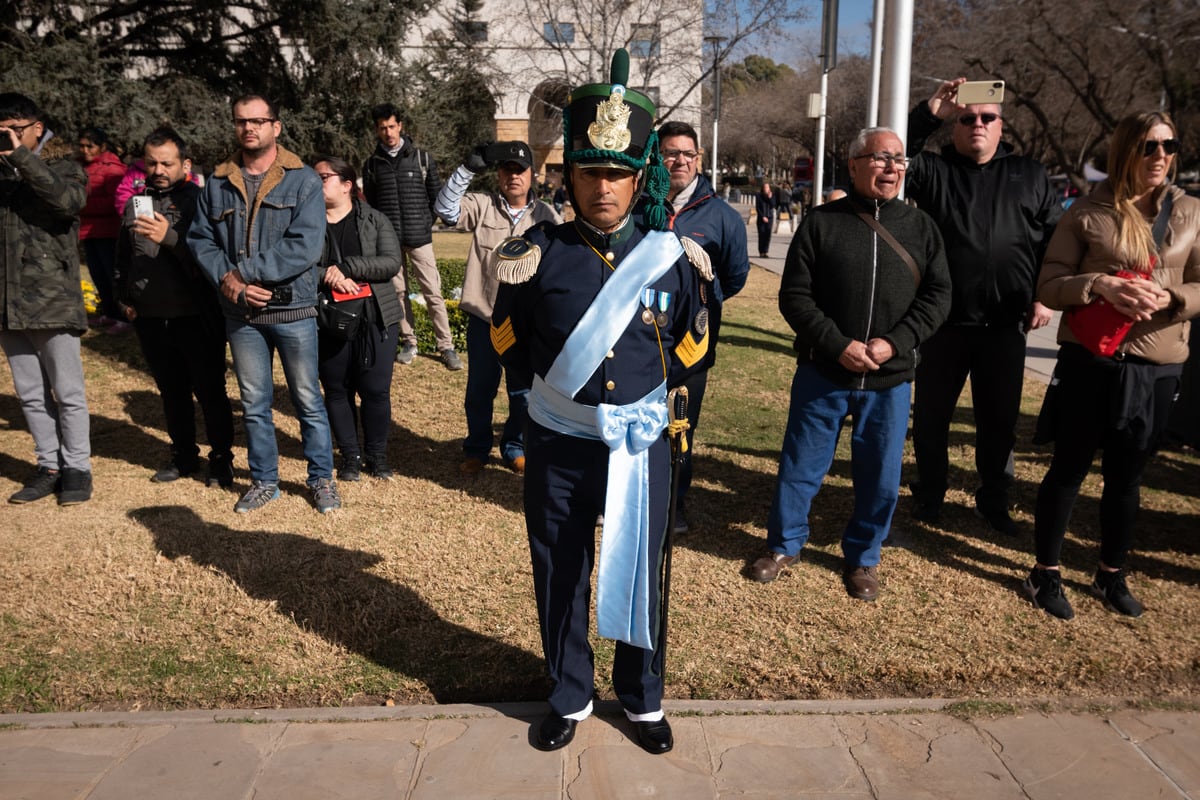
x=610 y=125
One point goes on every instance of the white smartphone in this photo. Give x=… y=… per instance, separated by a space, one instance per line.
x=980 y=92
x=143 y=206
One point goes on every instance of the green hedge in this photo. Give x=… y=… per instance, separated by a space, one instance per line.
x=452 y=271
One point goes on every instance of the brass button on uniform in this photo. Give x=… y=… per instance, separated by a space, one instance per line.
x=610 y=255
x=611 y=354
x=610 y=385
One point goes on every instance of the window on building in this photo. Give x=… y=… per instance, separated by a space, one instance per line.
x=643 y=41
x=556 y=32
x=474 y=31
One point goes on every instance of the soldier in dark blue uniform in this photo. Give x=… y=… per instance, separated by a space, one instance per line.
x=605 y=314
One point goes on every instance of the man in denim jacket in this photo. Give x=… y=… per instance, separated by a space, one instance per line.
x=259 y=227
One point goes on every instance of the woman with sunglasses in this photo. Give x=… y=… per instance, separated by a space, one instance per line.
x=361 y=256
x=1138 y=223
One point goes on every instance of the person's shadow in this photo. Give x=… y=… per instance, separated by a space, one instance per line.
x=330 y=590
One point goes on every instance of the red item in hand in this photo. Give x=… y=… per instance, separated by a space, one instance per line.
x=364 y=290
x=1099 y=326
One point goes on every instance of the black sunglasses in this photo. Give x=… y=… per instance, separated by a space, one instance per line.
x=986 y=119
x=1169 y=146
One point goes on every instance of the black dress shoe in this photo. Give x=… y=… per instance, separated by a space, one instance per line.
x=555 y=732
x=655 y=737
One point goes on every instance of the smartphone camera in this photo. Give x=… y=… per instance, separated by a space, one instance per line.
x=280 y=295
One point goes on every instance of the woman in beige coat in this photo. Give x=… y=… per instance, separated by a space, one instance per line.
x=1135 y=221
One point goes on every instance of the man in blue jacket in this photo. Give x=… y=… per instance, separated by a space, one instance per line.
x=697 y=213
x=258 y=232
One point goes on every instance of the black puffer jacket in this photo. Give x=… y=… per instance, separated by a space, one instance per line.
x=379 y=263
x=995 y=218
x=404 y=188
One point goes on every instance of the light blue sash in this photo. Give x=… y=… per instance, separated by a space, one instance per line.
x=623 y=583
x=609 y=314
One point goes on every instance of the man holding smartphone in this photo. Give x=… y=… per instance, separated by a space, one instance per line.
x=42 y=190
x=175 y=311
x=996 y=211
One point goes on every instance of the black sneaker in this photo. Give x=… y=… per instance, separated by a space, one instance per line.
x=173 y=471
x=926 y=506
x=998 y=520
x=220 y=471
x=351 y=468
x=1110 y=588
x=76 y=487
x=927 y=511
x=376 y=465
x=44 y=483
x=1044 y=589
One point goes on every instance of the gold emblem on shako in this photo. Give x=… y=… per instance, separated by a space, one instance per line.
x=610 y=131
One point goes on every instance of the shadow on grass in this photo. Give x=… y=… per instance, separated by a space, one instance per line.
x=330 y=591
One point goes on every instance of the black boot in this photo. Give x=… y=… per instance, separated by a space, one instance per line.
x=350 y=469
x=220 y=470
x=76 y=487
x=376 y=466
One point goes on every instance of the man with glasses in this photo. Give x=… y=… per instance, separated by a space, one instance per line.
x=257 y=235
x=697 y=213
x=42 y=190
x=864 y=283
x=995 y=210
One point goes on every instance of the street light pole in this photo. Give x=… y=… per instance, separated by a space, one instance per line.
x=715 y=41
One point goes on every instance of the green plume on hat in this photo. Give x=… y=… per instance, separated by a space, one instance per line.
x=609 y=124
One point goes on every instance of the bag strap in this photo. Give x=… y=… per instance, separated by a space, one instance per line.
x=1162 y=220
x=891 y=240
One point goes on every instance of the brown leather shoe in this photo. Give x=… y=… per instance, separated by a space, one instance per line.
x=862 y=582
x=767 y=568
x=471 y=466
x=517 y=465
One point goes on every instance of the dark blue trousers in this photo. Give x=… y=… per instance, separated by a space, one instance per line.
x=565 y=480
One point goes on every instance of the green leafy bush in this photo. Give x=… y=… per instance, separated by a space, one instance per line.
x=452 y=271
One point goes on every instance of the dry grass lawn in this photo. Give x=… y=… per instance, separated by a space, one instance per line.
x=418 y=591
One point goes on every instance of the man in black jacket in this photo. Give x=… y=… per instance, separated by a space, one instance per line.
x=995 y=211
x=402 y=181
x=864 y=283
x=175 y=312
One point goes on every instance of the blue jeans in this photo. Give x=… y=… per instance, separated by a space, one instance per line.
x=880 y=422
x=253 y=347
x=483 y=379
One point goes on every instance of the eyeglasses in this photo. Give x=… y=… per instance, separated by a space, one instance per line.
x=324 y=176
x=986 y=119
x=680 y=155
x=886 y=159
x=19 y=130
x=252 y=122
x=1150 y=147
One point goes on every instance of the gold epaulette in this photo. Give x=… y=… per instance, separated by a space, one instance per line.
x=698 y=256
x=517 y=260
